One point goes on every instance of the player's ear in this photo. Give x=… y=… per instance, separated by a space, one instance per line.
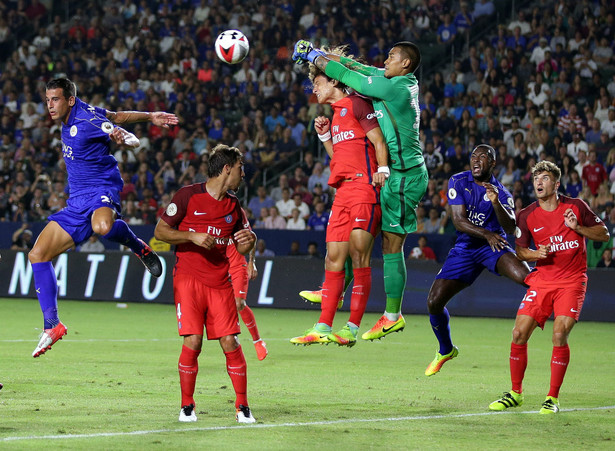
x=71 y=101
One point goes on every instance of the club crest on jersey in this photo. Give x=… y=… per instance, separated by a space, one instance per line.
x=229 y=219
x=73 y=131
x=486 y=198
x=343 y=112
x=517 y=232
x=452 y=193
x=107 y=127
x=171 y=209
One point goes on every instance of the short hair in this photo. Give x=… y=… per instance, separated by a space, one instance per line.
x=410 y=50
x=220 y=156
x=547 y=166
x=69 y=88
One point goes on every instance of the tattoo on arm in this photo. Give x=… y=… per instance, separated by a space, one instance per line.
x=321 y=63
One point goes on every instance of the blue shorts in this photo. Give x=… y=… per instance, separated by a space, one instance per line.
x=467 y=264
x=76 y=217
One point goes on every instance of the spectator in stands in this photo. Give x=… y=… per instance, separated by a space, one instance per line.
x=312 y=250
x=317 y=176
x=259 y=223
x=274 y=220
x=261 y=200
x=22 y=239
x=608 y=126
x=285 y=205
x=262 y=251
x=607 y=260
x=573 y=148
x=295 y=222
x=303 y=207
x=594 y=173
x=422 y=251
x=92 y=245
x=319 y=218
x=276 y=192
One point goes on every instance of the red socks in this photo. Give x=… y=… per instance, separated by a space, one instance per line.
x=360 y=293
x=236 y=367
x=248 y=319
x=518 y=364
x=188 y=367
x=331 y=291
x=559 y=365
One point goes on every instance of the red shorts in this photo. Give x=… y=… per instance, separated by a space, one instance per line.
x=542 y=300
x=197 y=305
x=344 y=219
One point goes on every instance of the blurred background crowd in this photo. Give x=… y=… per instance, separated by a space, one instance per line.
x=535 y=79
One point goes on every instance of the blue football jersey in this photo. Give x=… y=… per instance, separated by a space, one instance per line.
x=462 y=190
x=86 y=150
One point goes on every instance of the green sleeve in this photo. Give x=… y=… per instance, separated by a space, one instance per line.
x=375 y=86
x=358 y=67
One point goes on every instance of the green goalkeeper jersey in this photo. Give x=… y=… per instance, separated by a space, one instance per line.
x=396 y=105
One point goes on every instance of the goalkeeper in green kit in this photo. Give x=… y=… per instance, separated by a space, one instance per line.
x=394 y=92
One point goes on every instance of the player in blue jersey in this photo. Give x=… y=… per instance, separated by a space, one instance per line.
x=483 y=212
x=94 y=184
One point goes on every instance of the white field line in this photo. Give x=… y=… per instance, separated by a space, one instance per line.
x=283 y=425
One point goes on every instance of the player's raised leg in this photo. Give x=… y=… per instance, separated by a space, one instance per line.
x=442 y=291
x=105 y=224
x=316 y=296
x=52 y=241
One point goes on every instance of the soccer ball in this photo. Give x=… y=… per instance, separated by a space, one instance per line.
x=232 y=46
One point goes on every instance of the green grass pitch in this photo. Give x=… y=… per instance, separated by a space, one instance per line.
x=112 y=384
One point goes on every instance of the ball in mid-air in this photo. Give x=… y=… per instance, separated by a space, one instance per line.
x=232 y=46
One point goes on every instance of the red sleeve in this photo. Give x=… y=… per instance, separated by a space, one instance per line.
x=523 y=238
x=364 y=112
x=587 y=217
x=242 y=222
x=176 y=210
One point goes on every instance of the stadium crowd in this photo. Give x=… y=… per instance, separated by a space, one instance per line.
x=539 y=86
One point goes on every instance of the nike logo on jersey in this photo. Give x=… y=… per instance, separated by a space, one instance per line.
x=539 y=229
x=242 y=292
x=393 y=225
x=198 y=213
x=574 y=311
x=360 y=220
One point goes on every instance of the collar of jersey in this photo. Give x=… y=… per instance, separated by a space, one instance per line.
x=73 y=112
x=471 y=178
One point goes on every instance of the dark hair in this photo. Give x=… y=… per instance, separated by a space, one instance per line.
x=410 y=50
x=220 y=156
x=69 y=89
x=490 y=150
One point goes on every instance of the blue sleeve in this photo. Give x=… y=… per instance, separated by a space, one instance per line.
x=455 y=191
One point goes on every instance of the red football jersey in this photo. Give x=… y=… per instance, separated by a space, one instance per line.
x=567 y=260
x=193 y=209
x=354 y=156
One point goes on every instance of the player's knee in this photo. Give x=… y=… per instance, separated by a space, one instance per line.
x=229 y=343
x=435 y=305
x=519 y=336
x=36 y=255
x=194 y=342
x=559 y=338
x=101 y=228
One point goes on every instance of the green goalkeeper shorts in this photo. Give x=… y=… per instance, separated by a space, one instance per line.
x=399 y=198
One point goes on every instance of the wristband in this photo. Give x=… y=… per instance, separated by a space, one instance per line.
x=384 y=170
x=325 y=137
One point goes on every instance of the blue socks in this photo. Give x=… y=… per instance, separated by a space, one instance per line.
x=121 y=233
x=442 y=330
x=46 y=286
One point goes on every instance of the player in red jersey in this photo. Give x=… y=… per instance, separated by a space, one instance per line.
x=558 y=225
x=241 y=274
x=200 y=221
x=356 y=146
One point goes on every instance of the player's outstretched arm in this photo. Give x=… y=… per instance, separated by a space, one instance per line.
x=158 y=118
x=373 y=86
